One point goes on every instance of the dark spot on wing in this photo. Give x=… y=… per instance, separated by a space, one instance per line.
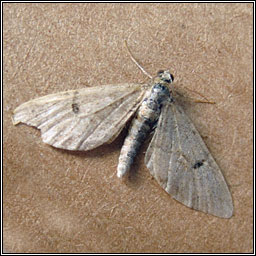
x=75 y=108
x=198 y=164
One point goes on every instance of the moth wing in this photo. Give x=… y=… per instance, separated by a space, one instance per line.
x=179 y=160
x=81 y=119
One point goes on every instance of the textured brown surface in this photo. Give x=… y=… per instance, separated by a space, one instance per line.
x=60 y=201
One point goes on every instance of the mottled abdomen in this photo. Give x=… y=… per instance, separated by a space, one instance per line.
x=146 y=117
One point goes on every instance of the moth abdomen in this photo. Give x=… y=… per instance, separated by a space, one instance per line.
x=137 y=133
x=141 y=125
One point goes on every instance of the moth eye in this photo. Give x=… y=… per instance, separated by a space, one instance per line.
x=169 y=80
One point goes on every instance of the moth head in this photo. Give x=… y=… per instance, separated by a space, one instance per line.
x=165 y=76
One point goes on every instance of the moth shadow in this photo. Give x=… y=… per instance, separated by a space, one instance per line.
x=102 y=150
x=134 y=179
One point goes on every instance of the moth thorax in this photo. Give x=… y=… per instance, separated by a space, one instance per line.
x=160 y=92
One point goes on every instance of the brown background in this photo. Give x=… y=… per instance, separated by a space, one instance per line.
x=60 y=201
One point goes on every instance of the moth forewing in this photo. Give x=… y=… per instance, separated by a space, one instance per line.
x=81 y=119
x=179 y=160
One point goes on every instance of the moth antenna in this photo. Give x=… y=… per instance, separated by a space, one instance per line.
x=201 y=101
x=136 y=62
x=206 y=101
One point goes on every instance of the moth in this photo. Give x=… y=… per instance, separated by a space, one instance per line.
x=177 y=157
